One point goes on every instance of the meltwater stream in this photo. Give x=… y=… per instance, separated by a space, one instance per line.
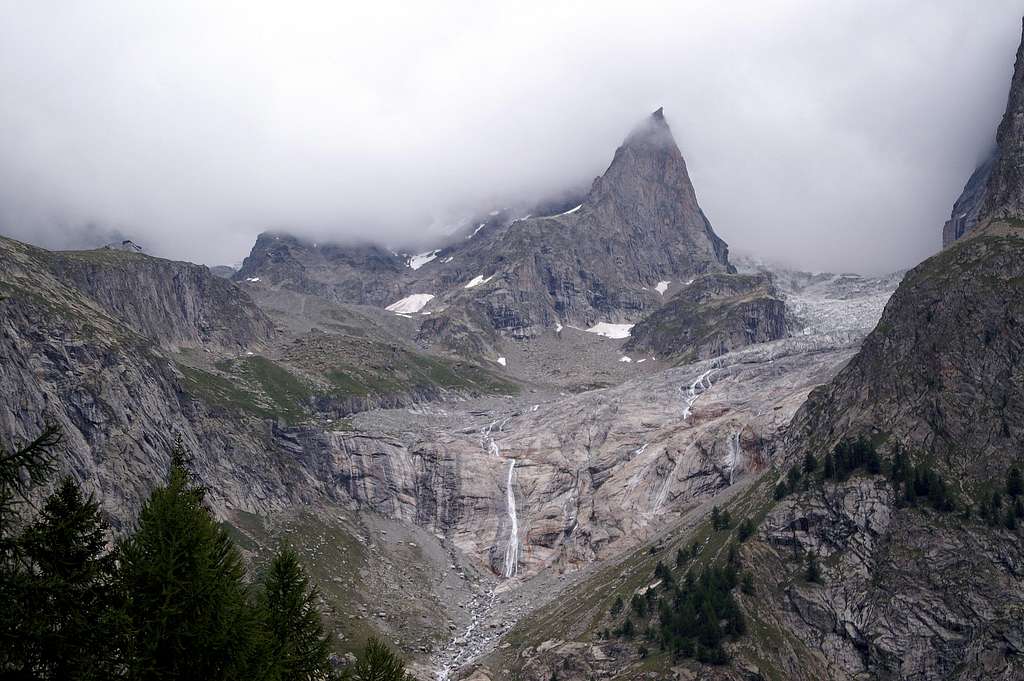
x=475 y=638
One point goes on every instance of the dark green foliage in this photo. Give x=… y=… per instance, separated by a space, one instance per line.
x=793 y=477
x=828 y=469
x=1010 y=519
x=617 y=606
x=20 y=469
x=781 y=490
x=298 y=648
x=920 y=484
x=681 y=557
x=812 y=572
x=174 y=605
x=1014 y=482
x=810 y=463
x=746 y=529
x=747 y=584
x=720 y=520
x=693 y=618
x=849 y=456
x=664 y=574
x=66 y=611
x=639 y=605
x=183 y=581
x=378 y=663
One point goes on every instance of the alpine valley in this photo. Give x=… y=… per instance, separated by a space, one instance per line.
x=575 y=439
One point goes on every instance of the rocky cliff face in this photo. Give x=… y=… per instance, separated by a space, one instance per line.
x=360 y=274
x=520 y=276
x=1005 y=195
x=713 y=315
x=964 y=216
x=995 y=189
x=176 y=304
x=909 y=592
x=940 y=373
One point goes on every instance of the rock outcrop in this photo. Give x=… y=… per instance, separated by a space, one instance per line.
x=995 y=189
x=519 y=276
x=363 y=274
x=712 y=315
x=175 y=304
x=1004 y=197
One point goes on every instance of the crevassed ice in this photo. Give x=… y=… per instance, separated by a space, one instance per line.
x=609 y=330
x=410 y=304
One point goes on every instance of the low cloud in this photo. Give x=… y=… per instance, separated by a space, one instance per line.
x=826 y=135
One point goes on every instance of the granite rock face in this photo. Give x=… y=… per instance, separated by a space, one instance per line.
x=964 y=216
x=175 y=304
x=361 y=274
x=712 y=315
x=1004 y=197
x=995 y=189
x=520 y=275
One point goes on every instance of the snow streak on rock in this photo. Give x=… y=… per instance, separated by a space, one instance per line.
x=617 y=331
x=410 y=304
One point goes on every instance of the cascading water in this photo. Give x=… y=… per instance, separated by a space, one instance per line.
x=734 y=453
x=697 y=388
x=700 y=384
x=512 y=547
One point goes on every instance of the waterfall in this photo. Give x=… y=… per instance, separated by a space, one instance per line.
x=699 y=385
x=734 y=452
x=512 y=548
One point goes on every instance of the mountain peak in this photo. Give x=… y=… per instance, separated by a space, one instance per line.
x=653 y=132
x=647 y=189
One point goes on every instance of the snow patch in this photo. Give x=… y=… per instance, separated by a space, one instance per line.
x=641 y=361
x=479 y=227
x=625 y=359
x=558 y=328
x=418 y=261
x=617 y=331
x=662 y=287
x=478 y=279
x=502 y=362
x=410 y=304
x=569 y=212
x=253 y=279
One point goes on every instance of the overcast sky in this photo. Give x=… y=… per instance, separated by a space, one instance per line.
x=827 y=134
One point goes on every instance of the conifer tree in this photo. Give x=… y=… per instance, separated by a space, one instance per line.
x=813 y=571
x=298 y=648
x=828 y=470
x=378 y=663
x=20 y=469
x=1014 y=482
x=186 y=601
x=70 y=633
x=810 y=463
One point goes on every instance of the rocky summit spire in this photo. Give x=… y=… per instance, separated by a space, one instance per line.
x=1004 y=196
x=647 y=189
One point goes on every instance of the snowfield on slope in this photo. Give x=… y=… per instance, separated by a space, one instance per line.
x=608 y=330
x=410 y=304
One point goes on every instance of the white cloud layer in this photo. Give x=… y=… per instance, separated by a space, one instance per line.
x=832 y=135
